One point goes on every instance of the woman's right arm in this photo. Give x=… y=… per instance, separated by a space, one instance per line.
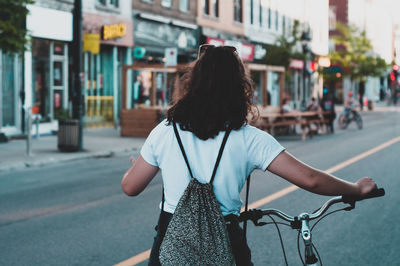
x=316 y=181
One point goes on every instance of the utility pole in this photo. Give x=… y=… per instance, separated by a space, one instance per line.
x=77 y=105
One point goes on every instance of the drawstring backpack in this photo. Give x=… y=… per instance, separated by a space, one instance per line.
x=197 y=233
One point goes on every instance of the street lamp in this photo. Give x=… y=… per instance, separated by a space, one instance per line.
x=305 y=39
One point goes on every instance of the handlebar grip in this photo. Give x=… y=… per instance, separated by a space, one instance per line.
x=379 y=192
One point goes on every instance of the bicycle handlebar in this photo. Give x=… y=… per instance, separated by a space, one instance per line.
x=256 y=214
x=379 y=192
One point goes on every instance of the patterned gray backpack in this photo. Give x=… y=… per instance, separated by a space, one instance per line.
x=197 y=233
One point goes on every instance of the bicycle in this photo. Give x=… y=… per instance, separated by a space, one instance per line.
x=345 y=119
x=301 y=223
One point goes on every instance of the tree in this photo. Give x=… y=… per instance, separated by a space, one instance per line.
x=283 y=50
x=354 y=55
x=13 y=33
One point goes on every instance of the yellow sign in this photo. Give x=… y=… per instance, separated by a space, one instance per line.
x=91 y=43
x=113 y=31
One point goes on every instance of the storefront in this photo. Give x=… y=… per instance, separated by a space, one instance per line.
x=107 y=46
x=157 y=33
x=268 y=80
x=46 y=65
x=140 y=114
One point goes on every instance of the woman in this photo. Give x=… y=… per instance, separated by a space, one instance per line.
x=217 y=95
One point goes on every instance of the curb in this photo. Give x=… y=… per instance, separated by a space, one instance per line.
x=51 y=160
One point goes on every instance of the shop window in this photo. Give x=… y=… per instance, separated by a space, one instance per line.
x=273 y=88
x=114 y=3
x=58 y=73
x=261 y=9
x=269 y=18
x=148 y=1
x=58 y=48
x=41 y=77
x=103 y=2
x=237 y=11
x=276 y=20
x=206 y=7
x=166 y=3
x=184 y=5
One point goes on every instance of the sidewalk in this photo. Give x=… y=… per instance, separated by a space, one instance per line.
x=96 y=143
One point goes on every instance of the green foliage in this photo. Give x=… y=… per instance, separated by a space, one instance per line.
x=354 y=54
x=62 y=114
x=281 y=53
x=13 y=33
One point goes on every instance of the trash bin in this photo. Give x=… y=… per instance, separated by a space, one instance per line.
x=370 y=105
x=68 y=135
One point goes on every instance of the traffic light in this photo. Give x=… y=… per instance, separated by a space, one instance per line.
x=395 y=73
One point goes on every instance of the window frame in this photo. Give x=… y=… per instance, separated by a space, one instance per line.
x=168 y=5
x=238 y=11
x=215 y=4
x=206 y=7
x=187 y=5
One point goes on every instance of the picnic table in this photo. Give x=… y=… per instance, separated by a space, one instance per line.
x=273 y=121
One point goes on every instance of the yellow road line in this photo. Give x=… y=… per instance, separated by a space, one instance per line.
x=136 y=259
x=146 y=254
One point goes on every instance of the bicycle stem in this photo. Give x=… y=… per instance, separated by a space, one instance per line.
x=310 y=257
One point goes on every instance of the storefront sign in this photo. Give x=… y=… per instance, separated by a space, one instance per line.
x=171 y=56
x=154 y=34
x=296 y=64
x=113 y=31
x=139 y=52
x=91 y=43
x=59 y=28
x=246 y=51
x=324 y=61
x=259 y=52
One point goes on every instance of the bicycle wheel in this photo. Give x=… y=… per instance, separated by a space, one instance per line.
x=343 y=122
x=358 y=119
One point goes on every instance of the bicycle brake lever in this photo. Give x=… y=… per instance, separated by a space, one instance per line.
x=257 y=223
x=352 y=206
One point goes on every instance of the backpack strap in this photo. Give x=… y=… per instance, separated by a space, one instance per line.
x=246 y=206
x=221 y=149
x=182 y=149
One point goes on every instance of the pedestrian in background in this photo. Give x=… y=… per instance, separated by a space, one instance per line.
x=218 y=98
x=328 y=107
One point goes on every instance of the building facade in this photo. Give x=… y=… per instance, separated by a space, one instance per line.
x=364 y=14
x=47 y=63
x=166 y=34
x=269 y=21
x=107 y=30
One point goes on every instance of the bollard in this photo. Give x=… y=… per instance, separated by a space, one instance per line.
x=28 y=132
x=37 y=126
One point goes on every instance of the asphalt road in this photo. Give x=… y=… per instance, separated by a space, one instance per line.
x=76 y=214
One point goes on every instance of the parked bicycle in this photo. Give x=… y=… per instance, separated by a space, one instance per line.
x=301 y=223
x=351 y=115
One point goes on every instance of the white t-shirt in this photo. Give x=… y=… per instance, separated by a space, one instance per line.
x=246 y=149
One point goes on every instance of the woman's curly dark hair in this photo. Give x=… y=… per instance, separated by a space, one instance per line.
x=217 y=92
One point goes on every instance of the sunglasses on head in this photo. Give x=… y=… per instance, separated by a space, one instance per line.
x=203 y=48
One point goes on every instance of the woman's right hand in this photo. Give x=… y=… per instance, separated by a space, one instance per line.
x=366 y=185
